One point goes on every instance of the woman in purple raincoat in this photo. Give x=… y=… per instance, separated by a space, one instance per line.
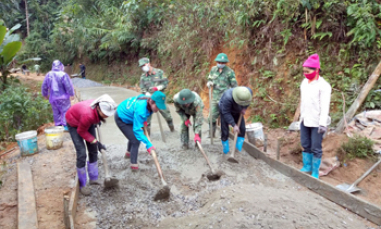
x=59 y=88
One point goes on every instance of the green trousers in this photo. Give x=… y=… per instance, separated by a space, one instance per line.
x=215 y=112
x=167 y=116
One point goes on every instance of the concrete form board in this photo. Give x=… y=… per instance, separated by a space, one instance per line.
x=349 y=201
x=27 y=213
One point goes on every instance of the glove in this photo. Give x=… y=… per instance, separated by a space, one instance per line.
x=197 y=138
x=150 y=149
x=209 y=84
x=322 y=129
x=236 y=129
x=187 y=123
x=145 y=123
x=243 y=111
x=101 y=146
x=153 y=89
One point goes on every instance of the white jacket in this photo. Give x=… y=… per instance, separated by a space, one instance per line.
x=315 y=101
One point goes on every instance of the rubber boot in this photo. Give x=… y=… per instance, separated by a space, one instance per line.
x=92 y=169
x=171 y=127
x=225 y=145
x=66 y=128
x=315 y=167
x=307 y=162
x=127 y=155
x=82 y=178
x=134 y=167
x=185 y=146
x=239 y=143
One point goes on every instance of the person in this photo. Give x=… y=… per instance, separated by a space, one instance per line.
x=233 y=103
x=188 y=103
x=131 y=115
x=59 y=88
x=82 y=119
x=314 y=114
x=153 y=79
x=220 y=78
x=24 y=69
x=82 y=68
x=37 y=69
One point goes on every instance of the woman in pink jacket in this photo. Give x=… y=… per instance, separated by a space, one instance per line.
x=82 y=119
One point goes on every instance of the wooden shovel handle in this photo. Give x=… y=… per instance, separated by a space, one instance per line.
x=210 y=116
x=154 y=156
x=236 y=134
x=103 y=153
x=203 y=153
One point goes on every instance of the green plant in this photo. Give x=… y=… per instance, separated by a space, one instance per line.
x=356 y=147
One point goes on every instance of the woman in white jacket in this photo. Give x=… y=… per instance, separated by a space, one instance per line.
x=314 y=110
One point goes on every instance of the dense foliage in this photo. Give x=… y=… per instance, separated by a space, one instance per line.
x=266 y=41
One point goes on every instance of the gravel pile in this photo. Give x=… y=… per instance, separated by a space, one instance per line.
x=81 y=83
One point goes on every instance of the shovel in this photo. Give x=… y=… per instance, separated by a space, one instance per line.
x=231 y=158
x=353 y=188
x=210 y=116
x=212 y=176
x=109 y=181
x=164 y=192
x=161 y=127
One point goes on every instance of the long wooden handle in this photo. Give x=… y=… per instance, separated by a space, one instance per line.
x=154 y=156
x=236 y=134
x=366 y=173
x=203 y=153
x=103 y=153
x=210 y=116
x=161 y=127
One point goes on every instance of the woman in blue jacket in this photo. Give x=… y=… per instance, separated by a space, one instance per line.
x=131 y=115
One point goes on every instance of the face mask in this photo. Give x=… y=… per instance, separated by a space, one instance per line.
x=145 y=68
x=220 y=65
x=310 y=76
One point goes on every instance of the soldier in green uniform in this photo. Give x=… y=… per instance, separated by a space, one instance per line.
x=187 y=104
x=152 y=80
x=220 y=78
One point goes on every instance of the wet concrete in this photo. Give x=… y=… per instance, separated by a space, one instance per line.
x=249 y=195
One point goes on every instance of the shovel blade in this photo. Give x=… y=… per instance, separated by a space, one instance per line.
x=111 y=182
x=232 y=160
x=348 y=188
x=163 y=193
x=214 y=176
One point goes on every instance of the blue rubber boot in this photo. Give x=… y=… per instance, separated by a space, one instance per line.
x=225 y=144
x=239 y=143
x=315 y=167
x=307 y=162
x=66 y=128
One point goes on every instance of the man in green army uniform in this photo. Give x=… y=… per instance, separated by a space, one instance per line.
x=220 y=78
x=152 y=80
x=187 y=104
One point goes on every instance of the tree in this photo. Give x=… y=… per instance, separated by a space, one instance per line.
x=10 y=44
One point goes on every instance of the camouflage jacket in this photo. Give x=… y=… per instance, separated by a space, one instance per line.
x=195 y=109
x=221 y=81
x=155 y=79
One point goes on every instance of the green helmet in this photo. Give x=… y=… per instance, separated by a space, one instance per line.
x=143 y=61
x=222 y=57
x=186 y=96
x=242 y=96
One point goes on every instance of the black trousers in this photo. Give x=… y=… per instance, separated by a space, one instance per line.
x=225 y=127
x=311 y=140
x=80 y=146
x=133 y=143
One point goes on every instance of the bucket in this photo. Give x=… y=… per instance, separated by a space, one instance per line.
x=54 y=137
x=27 y=142
x=255 y=134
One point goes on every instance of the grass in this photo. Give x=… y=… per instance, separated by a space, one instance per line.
x=356 y=147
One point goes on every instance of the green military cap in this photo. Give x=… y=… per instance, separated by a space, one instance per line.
x=242 y=96
x=143 y=61
x=222 y=57
x=186 y=96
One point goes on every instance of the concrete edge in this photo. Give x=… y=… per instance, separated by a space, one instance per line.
x=356 y=205
x=27 y=211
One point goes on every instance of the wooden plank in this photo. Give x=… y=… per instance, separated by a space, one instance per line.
x=66 y=201
x=27 y=212
x=74 y=199
x=361 y=207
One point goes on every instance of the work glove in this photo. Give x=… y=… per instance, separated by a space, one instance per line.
x=145 y=123
x=243 y=111
x=209 y=84
x=197 y=138
x=150 y=149
x=187 y=123
x=153 y=89
x=322 y=129
x=236 y=129
x=101 y=146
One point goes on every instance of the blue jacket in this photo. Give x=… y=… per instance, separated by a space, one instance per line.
x=228 y=107
x=134 y=111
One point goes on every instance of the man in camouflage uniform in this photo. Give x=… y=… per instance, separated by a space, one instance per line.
x=187 y=104
x=152 y=80
x=220 y=78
